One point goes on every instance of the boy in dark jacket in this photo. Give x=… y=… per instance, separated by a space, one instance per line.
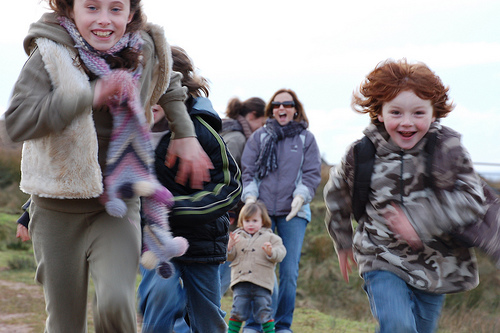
x=200 y=216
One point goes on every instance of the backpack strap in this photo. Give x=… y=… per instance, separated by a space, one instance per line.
x=429 y=148
x=364 y=159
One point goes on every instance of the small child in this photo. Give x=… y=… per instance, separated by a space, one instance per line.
x=402 y=244
x=254 y=251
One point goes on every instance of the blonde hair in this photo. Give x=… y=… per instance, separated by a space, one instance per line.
x=251 y=209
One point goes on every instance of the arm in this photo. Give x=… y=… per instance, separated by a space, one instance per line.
x=36 y=109
x=305 y=189
x=248 y=158
x=194 y=162
x=337 y=196
x=457 y=200
x=235 y=142
x=217 y=196
x=278 y=250
x=23 y=222
x=311 y=170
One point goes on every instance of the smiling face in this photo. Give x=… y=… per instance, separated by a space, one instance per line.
x=102 y=23
x=407 y=118
x=283 y=113
x=252 y=224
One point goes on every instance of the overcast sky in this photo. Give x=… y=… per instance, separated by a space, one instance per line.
x=322 y=49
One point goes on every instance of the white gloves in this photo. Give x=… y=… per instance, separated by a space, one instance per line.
x=250 y=199
x=297 y=203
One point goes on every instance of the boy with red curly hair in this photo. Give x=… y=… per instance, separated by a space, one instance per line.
x=402 y=244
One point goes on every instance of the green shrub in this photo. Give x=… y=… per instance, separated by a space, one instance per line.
x=10 y=170
x=21 y=263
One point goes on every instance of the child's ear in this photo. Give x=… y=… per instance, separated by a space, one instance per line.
x=130 y=17
x=380 y=118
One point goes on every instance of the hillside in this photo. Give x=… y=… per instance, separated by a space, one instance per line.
x=324 y=301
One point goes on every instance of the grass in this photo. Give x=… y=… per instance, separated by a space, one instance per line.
x=21 y=301
x=324 y=301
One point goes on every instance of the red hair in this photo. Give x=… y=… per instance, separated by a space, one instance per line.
x=391 y=77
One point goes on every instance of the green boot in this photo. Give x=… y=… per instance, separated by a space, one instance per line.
x=235 y=325
x=268 y=327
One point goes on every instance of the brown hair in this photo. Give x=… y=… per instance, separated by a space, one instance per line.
x=196 y=84
x=65 y=7
x=301 y=114
x=391 y=77
x=127 y=58
x=236 y=107
x=250 y=209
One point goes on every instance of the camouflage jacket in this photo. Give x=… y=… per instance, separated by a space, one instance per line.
x=442 y=266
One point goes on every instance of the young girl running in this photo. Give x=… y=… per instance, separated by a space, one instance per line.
x=88 y=58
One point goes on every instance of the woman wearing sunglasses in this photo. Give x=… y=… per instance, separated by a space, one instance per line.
x=282 y=167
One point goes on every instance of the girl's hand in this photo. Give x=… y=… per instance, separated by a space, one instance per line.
x=194 y=162
x=345 y=267
x=117 y=84
x=400 y=225
x=268 y=248
x=23 y=233
x=233 y=239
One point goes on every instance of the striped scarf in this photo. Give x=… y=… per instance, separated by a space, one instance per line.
x=267 y=160
x=130 y=158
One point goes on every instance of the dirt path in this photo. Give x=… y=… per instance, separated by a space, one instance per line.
x=22 y=308
x=23 y=299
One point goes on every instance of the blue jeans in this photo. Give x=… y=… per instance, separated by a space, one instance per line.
x=249 y=298
x=292 y=233
x=398 y=307
x=194 y=288
x=225 y=277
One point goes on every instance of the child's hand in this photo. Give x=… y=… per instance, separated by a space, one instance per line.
x=345 y=267
x=233 y=239
x=400 y=225
x=194 y=162
x=268 y=248
x=22 y=232
x=109 y=87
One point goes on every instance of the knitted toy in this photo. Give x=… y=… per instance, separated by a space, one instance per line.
x=129 y=165
x=129 y=172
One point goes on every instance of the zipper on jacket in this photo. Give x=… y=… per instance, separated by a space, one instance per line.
x=401 y=181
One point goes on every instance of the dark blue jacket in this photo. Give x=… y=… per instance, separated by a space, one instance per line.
x=200 y=216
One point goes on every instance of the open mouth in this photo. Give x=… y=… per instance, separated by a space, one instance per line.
x=102 y=34
x=406 y=134
x=282 y=115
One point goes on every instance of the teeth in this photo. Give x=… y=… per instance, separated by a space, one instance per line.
x=102 y=33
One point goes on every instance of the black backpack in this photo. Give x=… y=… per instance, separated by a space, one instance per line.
x=484 y=234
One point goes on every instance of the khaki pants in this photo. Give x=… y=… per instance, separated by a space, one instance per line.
x=69 y=246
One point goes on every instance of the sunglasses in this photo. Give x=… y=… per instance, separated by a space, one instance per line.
x=286 y=104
